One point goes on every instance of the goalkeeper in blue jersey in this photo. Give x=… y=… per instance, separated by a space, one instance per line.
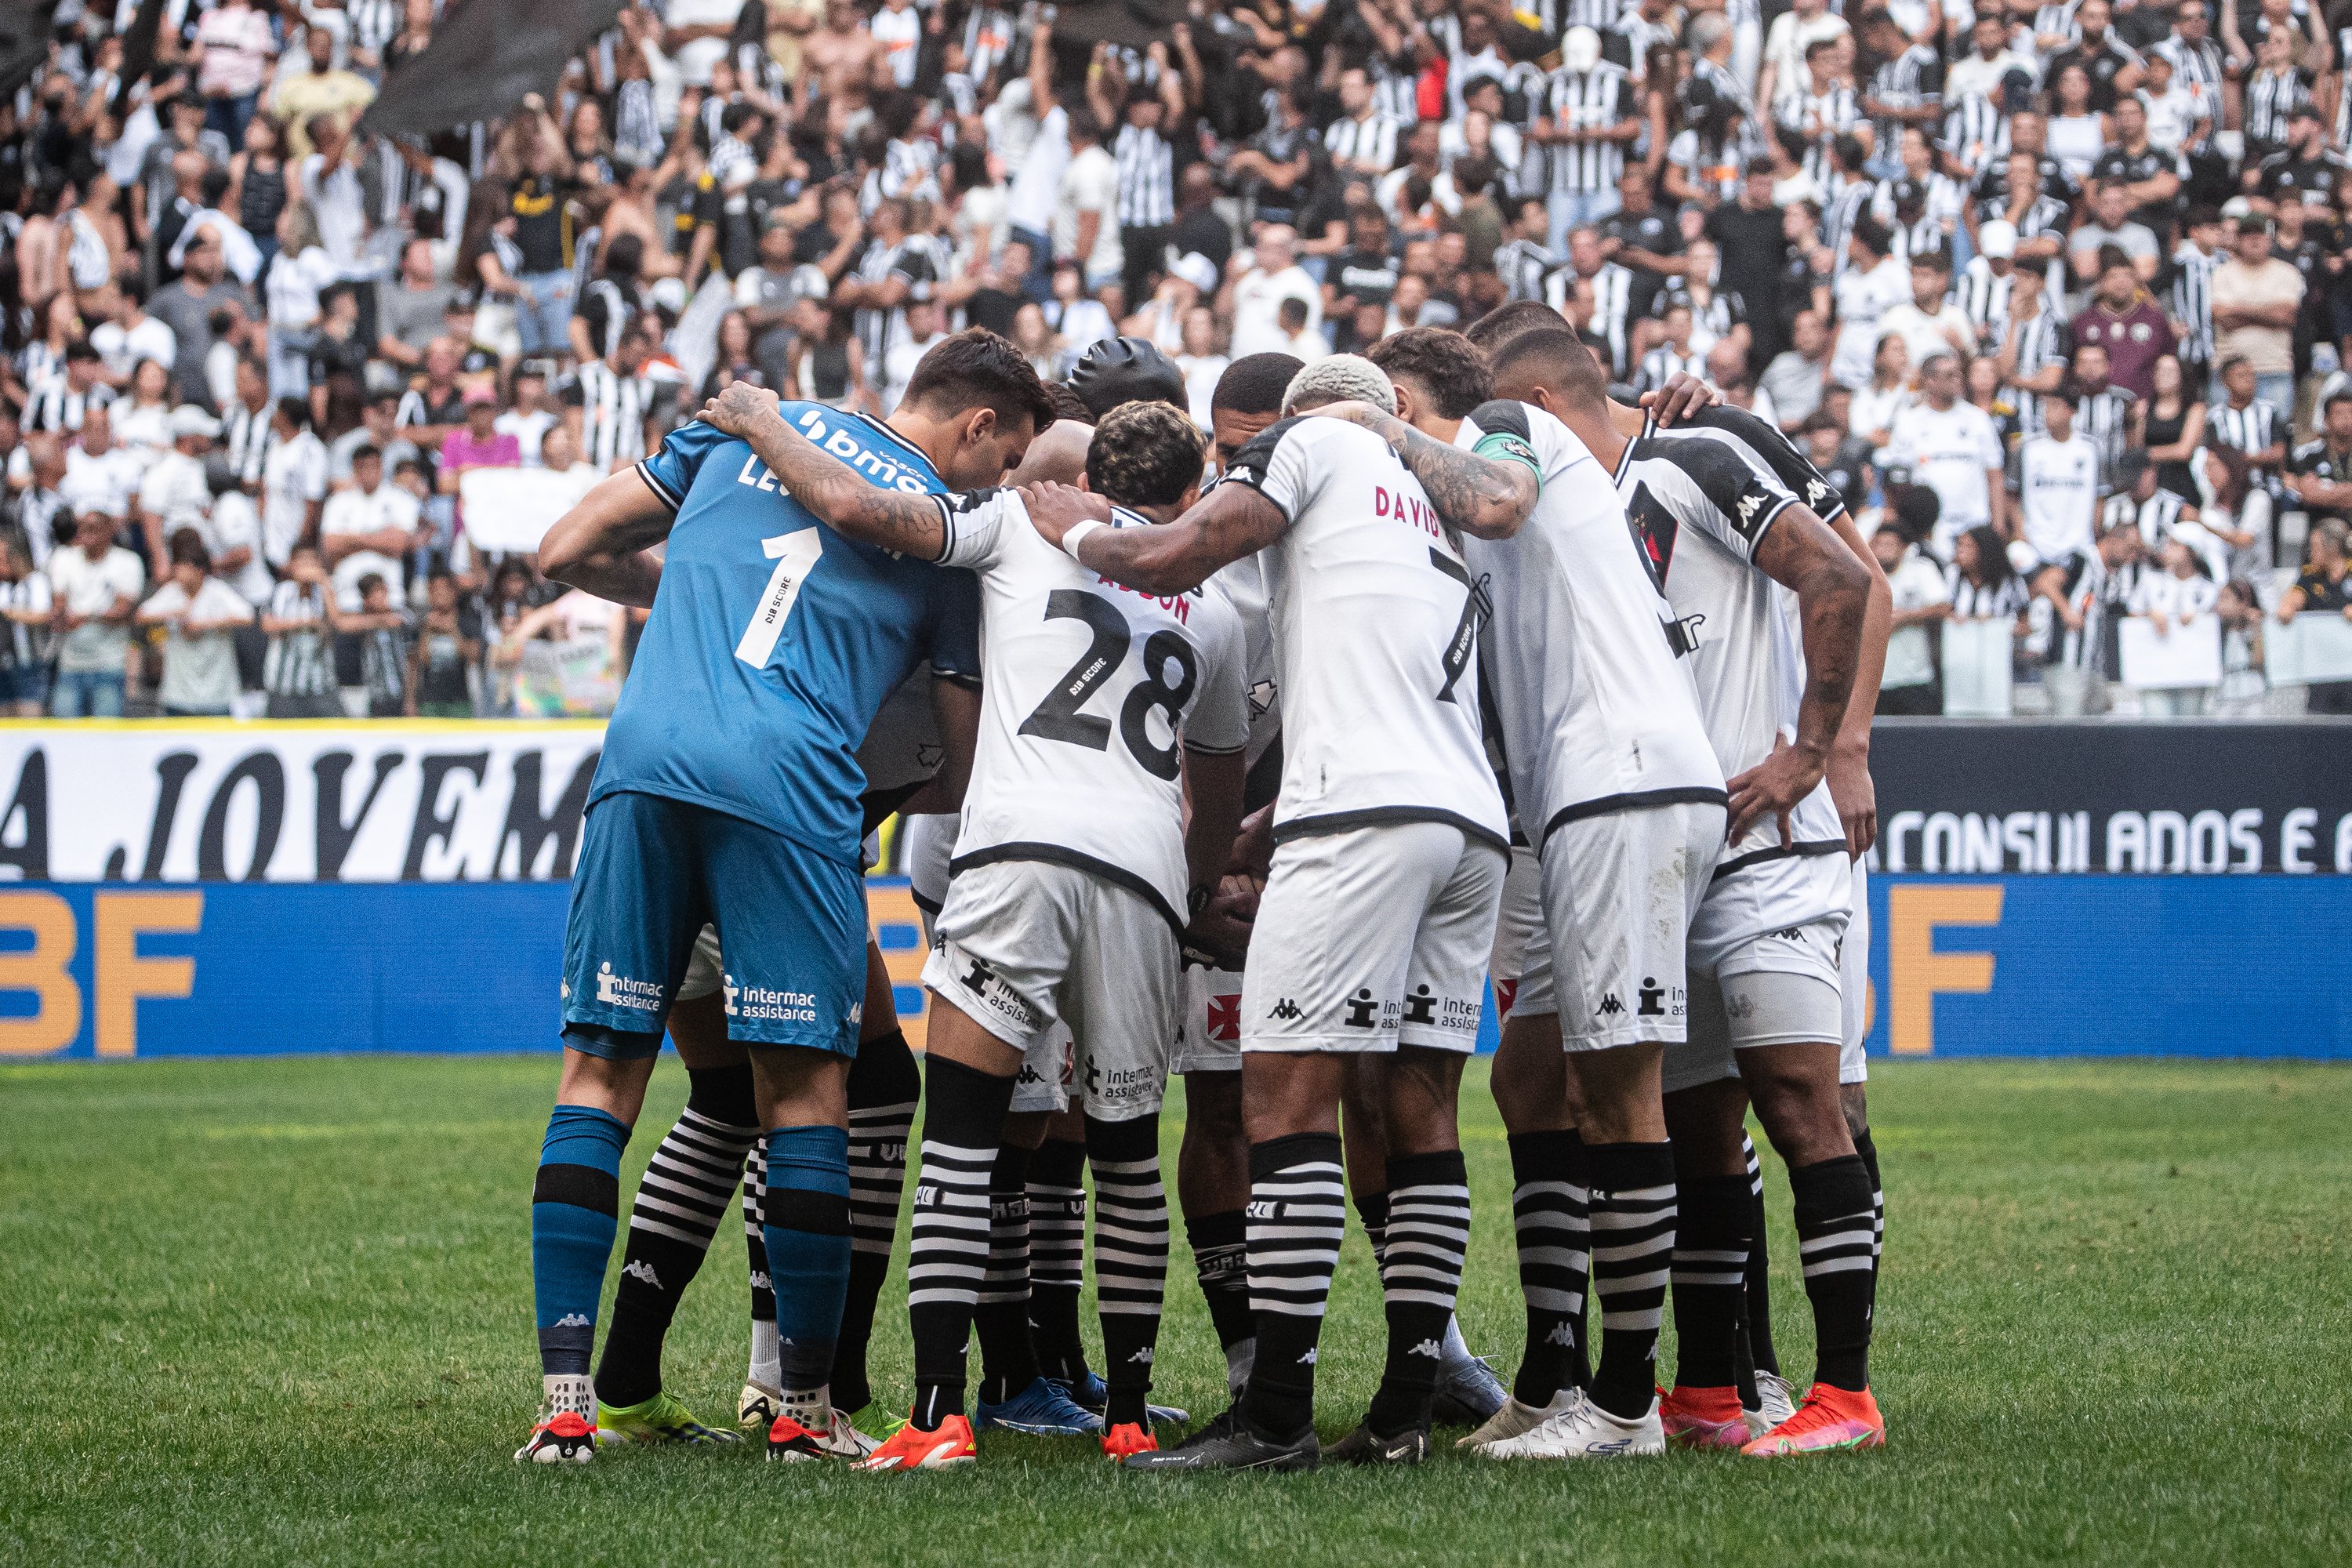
x=728 y=793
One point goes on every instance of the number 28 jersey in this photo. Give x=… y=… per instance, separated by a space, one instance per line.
x=774 y=641
x=1088 y=691
x=1375 y=639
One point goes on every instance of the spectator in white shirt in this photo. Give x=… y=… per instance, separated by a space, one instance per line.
x=2178 y=601
x=96 y=586
x=293 y=482
x=99 y=476
x=1929 y=320
x=369 y=527
x=1922 y=600
x=201 y=616
x=176 y=495
x=898 y=365
x=1951 y=448
x=1254 y=298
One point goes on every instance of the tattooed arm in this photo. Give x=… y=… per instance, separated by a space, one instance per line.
x=1229 y=522
x=913 y=526
x=1801 y=553
x=1485 y=499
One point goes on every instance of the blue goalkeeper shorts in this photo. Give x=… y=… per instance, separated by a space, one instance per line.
x=652 y=872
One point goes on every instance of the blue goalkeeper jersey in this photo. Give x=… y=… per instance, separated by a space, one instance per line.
x=774 y=640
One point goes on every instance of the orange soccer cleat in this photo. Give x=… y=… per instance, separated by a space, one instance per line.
x=1128 y=1438
x=907 y=1449
x=1703 y=1418
x=1830 y=1419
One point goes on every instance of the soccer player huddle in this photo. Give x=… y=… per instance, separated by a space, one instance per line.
x=1458 y=671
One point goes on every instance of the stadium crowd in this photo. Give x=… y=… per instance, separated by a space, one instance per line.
x=2056 y=295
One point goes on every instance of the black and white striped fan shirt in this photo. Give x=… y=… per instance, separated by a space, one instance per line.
x=1612 y=310
x=57 y=406
x=2059 y=21
x=611 y=414
x=1146 y=178
x=1524 y=265
x=1983 y=295
x=2042 y=343
x=1588 y=100
x=2192 y=301
x=1912 y=80
x=2271 y=96
x=372 y=24
x=2157 y=517
x=1371 y=139
x=2250 y=429
x=1975 y=132
x=246 y=441
x=2104 y=419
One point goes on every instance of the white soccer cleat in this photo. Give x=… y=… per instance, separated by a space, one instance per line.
x=1777 y=1403
x=757 y=1407
x=1585 y=1431
x=1516 y=1420
x=844 y=1441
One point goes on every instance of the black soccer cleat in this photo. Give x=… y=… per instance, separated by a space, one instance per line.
x=1363 y=1446
x=1228 y=1443
x=1469 y=1393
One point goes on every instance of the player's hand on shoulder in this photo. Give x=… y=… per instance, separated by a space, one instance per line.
x=737 y=409
x=1683 y=396
x=1056 y=509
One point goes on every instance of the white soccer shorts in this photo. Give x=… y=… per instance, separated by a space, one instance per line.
x=1024 y=945
x=1853 y=979
x=1765 y=957
x=1520 y=967
x=1373 y=938
x=1210 y=1037
x=1620 y=891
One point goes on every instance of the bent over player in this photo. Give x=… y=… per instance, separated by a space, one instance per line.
x=1380 y=905
x=727 y=792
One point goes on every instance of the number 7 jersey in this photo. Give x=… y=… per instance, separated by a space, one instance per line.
x=1088 y=691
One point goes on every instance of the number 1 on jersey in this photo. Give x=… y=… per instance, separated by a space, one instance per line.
x=795 y=555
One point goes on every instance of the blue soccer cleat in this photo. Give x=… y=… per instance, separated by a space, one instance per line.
x=1041 y=1410
x=1094 y=1394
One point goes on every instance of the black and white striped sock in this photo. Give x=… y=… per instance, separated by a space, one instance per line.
x=1421 y=1275
x=684 y=1195
x=1866 y=1146
x=1297 y=1215
x=1130 y=1256
x=883 y=1088
x=1549 y=1200
x=1057 y=1255
x=1221 y=1257
x=1834 y=1238
x=947 y=1253
x=1632 y=1249
x=766 y=1367
x=1008 y=1361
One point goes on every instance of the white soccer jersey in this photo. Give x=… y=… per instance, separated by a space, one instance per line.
x=1597 y=714
x=1375 y=639
x=1243 y=586
x=2057 y=494
x=1701 y=498
x=1087 y=689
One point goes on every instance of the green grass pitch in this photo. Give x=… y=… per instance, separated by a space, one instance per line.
x=263 y=1312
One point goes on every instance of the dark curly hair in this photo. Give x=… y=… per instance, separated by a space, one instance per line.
x=1144 y=454
x=1446 y=366
x=977 y=369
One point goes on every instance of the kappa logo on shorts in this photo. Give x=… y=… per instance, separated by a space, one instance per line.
x=1610 y=1007
x=620 y=991
x=1284 y=1011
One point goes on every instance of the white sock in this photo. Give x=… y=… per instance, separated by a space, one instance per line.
x=573 y=1391
x=767 y=1371
x=812 y=1407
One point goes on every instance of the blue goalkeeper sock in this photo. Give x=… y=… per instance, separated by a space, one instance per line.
x=805 y=1211
x=575 y=1206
